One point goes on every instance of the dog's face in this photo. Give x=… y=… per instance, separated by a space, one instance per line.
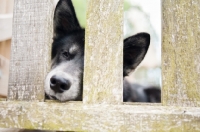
x=64 y=81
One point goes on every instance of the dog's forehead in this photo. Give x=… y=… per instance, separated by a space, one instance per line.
x=73 y=42
x=73 y=48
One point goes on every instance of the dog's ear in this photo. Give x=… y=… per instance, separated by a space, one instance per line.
x=135 y=48
x=65 y=20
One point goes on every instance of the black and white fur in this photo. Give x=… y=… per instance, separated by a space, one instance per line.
x=133 y=92
x=65 y=80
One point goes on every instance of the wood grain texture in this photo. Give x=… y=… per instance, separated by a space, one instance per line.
x=104 y=52
x=181 y=53
x=96 y=118
x=30 y=56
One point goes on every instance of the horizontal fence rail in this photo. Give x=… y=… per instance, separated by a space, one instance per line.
x=79 y=117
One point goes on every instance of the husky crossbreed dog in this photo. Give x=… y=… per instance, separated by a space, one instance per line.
x=65 y=80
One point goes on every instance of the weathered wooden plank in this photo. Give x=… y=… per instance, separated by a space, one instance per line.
x=103 y=52
x=32 y=36
x=181 y=56
x=83 y=117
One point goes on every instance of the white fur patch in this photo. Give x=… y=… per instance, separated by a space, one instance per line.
x=73 y=49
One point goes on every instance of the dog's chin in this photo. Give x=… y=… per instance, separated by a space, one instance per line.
x=59 y=98
x=65 y=96
x=50 y=97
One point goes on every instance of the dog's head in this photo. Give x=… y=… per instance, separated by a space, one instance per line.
x=64 y=81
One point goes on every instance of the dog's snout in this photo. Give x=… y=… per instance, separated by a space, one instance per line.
x=59 y=84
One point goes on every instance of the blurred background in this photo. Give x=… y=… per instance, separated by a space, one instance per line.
x=6 y=11
x=145 y=16
x=139 y=16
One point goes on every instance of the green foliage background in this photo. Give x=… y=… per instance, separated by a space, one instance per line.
x=80 y=8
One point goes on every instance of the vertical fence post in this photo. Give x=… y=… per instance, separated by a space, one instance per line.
x=104 y=52
x=180 y=51
x=30 y=56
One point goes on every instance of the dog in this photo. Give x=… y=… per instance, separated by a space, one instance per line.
x=133 y=92
x=65 y=80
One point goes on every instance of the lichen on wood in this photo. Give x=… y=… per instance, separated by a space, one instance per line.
x=103 y=52
x=180 y=53
x=77 y=116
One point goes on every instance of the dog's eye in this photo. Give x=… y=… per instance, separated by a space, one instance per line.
x=66 y=54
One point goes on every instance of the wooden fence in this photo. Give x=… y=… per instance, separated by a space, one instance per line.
x=102 y=108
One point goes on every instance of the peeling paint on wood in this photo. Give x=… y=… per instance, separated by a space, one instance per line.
x=30 y=55
x=181 y=53
x=82 y=117
x=104 y=52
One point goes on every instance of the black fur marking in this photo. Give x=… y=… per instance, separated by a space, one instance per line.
x=135 y=49
x=65 y=20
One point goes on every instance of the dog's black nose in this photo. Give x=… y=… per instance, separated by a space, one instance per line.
x=59 y=84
